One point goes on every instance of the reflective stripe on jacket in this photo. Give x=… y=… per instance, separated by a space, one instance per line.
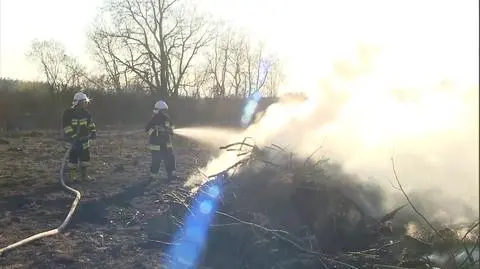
x=78 y=125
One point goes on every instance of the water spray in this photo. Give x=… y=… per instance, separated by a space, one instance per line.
x=212 y=136
x=189 y=244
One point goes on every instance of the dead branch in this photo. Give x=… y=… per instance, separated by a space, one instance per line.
x=411 y=203
x=229 y=146
x=261 y=234
x=282 y=235
x=392 y=214
x=470 y=230
x=470 y=258
x=233 y=166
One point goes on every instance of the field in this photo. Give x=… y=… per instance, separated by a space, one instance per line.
x=110 y=228
x=296 y=215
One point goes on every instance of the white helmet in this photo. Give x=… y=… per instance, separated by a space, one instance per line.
x=79 y=97
x=160 y=105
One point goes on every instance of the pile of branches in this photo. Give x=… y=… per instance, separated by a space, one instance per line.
x=277 y=211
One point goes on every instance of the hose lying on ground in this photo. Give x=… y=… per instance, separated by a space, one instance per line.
x=65 y=222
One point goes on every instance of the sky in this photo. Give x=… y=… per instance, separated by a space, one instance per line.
x=21 y=21
x=307 y=35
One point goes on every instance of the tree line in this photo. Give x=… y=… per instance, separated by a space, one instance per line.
x=28 y=105
x=166 y=48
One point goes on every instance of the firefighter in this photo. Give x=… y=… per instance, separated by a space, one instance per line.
x=79 y=129
x=160 y=130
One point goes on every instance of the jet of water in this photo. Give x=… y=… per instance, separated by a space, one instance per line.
x=212 y=136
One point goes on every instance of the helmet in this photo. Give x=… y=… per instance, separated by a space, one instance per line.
x=79 y=97
x=160 y=105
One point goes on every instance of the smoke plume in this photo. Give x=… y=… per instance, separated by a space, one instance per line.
x=411 y=98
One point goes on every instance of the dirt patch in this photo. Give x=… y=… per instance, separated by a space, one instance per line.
x=115 y=213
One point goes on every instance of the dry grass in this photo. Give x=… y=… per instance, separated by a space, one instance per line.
x=106 y=231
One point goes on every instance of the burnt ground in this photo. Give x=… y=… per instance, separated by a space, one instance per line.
x=309 y=217
x=116 y=213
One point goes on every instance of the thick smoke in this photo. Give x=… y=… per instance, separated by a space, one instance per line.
x=412 y=99
x=430 y=132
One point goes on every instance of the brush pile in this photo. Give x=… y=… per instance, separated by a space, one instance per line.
x=279 y=212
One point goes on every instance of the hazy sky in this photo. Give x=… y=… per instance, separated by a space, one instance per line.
x=308 y=34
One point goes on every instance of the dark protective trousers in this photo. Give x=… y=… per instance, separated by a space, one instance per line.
x=80 y=156
x=165 y=154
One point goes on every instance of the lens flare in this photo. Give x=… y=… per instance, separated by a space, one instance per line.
x=250 y=107
x=189 y=243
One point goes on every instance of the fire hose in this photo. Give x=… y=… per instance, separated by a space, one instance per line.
x=69 y=216
x=60 y=228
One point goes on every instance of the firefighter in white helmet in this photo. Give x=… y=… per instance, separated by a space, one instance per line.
x=79 y=128
x=160 y=130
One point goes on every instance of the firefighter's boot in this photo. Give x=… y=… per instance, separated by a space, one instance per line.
x=84 y=173
x=173 y=175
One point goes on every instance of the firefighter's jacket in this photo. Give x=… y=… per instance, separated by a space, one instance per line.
x=160 y=130
x=78 y=126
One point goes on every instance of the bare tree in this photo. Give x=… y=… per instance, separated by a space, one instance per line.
x=74 y=73
x=50 y=55
x=156 y=41
x=195 y=82
x=218 y=60
x=275 y=78
x=60 y=70
x=104 y=47
x=194 y=34
x=238 y=63
x=237 y=67
x=258 y=68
